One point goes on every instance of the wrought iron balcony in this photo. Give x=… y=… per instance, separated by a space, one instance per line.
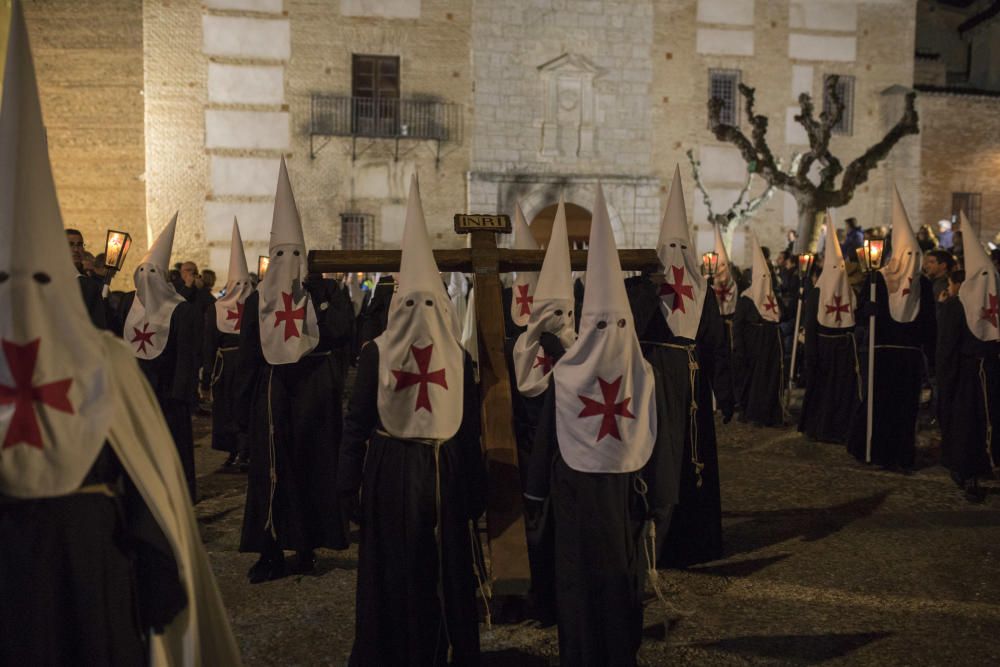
x=384 y=118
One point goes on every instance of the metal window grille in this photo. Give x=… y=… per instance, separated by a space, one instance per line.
x=972 y=204
x=845 y=91
x=355 y=231
x=724 y=84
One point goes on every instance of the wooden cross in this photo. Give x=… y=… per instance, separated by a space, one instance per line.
x=505 y=512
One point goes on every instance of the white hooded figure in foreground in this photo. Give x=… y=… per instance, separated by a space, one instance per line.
x=87 y=458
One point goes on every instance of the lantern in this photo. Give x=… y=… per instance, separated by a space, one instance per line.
x=262 y=263
x=870 y=255
x=115 y=248
x=806 y=261
x=710 y=263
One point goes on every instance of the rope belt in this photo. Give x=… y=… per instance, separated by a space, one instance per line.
x=649 y=551
x=781 y=372
x=728 y=321
x=857 y=359
x=693 y=368
x=986 y=407
x=220 y=363
x=271 y=455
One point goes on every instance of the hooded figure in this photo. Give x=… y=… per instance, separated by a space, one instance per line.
x=832 y=366
x=221 y=347
x=100 y=543
x=905 y=336
x=164 y=332
x=757 y=351
x=694 y=365
x=969 y=373
x=290 y=374
x=523 y=289
x=724 y=282
x=411 y=446
x=596 y=453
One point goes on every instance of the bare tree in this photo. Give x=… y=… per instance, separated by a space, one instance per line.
x=811 y=198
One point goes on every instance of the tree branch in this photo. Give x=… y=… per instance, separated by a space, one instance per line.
x=696 y=171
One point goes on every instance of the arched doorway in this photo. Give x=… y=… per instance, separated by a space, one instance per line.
x=577 y=225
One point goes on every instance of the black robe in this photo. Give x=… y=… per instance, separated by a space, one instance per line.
x=84 y=575
x=695 y=529
x=375 y=314
x=759 y=360
x=93 y=298
x=601 y=522
x=302 y=403
x=410 y=574
x=900 y=351
x=174 y=377
x=220 y=361
x=832 y=370
x=968 y=373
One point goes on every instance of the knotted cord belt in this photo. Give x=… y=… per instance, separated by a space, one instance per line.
x=219 y=364
x=649 y=549
x=857 y=359
x=986 y=406
x=693 y=406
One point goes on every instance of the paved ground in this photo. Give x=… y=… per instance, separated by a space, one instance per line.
x=827 y=561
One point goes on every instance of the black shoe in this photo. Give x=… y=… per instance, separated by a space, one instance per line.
x=304 y=562
x=268 y=568
x=242 y=462
x=230 y=460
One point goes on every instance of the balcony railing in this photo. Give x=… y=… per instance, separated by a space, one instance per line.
x=389 y=118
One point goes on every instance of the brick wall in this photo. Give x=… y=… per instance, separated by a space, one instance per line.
x=88 y=57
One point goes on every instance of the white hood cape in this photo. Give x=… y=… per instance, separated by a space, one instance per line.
x=724 y=282
x=980 y=292
x=837 y=301
x=902 y=273
x=682 y=294
x=229 y=307
x=287 y=317
x=761 y=291
x=604 y=389
x=86 y=386
x=523 y=287
x=458 y=287
x=552 y=313
x=421 y=371
x=147 y=324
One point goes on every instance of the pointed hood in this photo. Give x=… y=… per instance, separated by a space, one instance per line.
x=421 y=360
x=837 y=301
x=682 y=294
x=605 y=412
x=147 y=324
x=761 y=290
x=552 y=312
x=286 y=314
x=980 y=292
x=724 y=282
x=902 y=273
x=229 y=307
x=523 y=286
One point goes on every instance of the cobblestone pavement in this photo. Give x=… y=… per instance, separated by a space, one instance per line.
x=827 y=561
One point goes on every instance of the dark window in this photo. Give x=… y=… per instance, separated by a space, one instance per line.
x=355 y=231
x=724 y=84
x=375 y=93
x=845 y=91
x=971 y=203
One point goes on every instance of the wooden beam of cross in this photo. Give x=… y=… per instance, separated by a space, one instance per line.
x=505 y=511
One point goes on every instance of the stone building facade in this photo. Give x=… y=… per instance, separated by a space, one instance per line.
x=491 y=102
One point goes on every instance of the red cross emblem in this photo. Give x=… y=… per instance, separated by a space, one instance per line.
x=143 y=337
x=237 y=315
x=545 y=362
x=990 y=314
x=523 y=301
x=838 y=307
x=771 y=304
x=288 y=316
x=607 y=410
x=906 y=290
x=21 y=360
x=405 y=379
x=677 y=289
x=723 y=292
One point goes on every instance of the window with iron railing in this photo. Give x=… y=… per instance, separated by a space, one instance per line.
x=724 y=85
x=845 y=91
x=972 y=204
x=355 y=231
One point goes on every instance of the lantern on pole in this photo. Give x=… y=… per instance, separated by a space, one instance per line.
x=710 y=264
x=870 y=258
x=263 y=261
x=806 y=261
x=116 y=246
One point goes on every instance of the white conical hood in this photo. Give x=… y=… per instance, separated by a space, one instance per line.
x=147 y=324
x=229 y=307
x=458 y=288
x=682 y=294
x=761 y=290
x=902 y=273
x=523 y=285
x=724 y=282
x=605 y=412
x=421 y=360
x=979 y=293
x=285 y=314
x=53 y=372
x=552 y=312
x=836 y=298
